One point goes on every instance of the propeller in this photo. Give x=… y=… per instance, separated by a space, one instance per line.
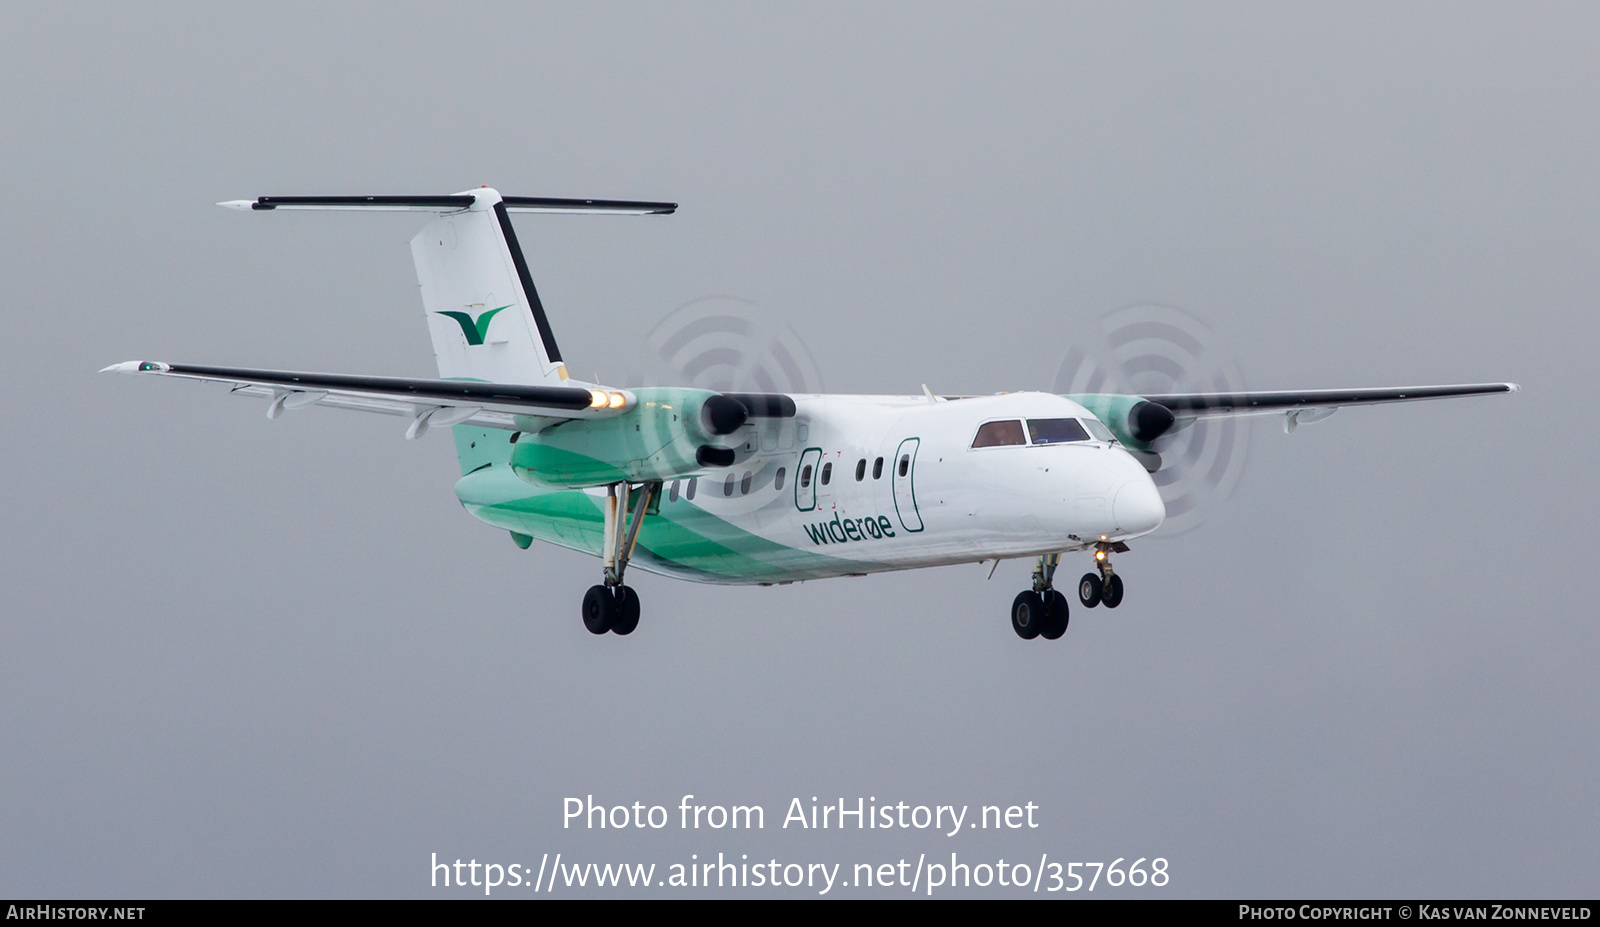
x=1150 y=349
x=729 y=344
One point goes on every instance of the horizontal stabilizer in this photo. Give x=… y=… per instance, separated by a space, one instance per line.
x=544 y=204
x=620 y=207
x=425 y=203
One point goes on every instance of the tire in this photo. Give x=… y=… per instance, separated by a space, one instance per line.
x=1027 y=614
x=599 y=609
x=1055 y=615
x=1112 y=597
x=627 y=611
x=1089 y=590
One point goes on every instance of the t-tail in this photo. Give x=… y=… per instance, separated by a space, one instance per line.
x=483 y=310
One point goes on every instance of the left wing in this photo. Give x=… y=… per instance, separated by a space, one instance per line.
x=1306 y=406
x=1139 y=420
x=511 y=406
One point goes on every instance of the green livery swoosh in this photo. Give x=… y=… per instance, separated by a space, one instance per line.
x=475 y=329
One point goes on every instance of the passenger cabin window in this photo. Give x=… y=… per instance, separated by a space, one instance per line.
x=1056 y=430
x=827 y=472
x=727 y=488
x=998 y=434
x=688 y=492
x=861 y=469
x=777 y=480
x=877 y=469
x=673 y=495
x=744 y=484
x=805 y=477
x=905 y=464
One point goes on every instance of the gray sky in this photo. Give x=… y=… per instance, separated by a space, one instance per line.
x=253 y=658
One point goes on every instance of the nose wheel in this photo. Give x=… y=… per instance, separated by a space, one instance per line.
x=1105 y=586
x=1089 y=589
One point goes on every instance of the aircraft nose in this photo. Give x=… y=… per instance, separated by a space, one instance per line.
x=1137 y=506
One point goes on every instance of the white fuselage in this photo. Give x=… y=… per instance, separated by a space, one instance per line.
x=859 y=484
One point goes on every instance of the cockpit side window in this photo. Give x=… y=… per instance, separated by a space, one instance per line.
x=1056 y=430
x=1099 y=430
x=999 y=434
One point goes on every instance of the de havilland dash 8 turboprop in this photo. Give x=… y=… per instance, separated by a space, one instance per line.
x=768 y=488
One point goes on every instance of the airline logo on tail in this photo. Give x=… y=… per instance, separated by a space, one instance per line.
x=476 y=329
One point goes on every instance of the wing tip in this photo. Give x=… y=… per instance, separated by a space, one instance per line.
x=137 y=367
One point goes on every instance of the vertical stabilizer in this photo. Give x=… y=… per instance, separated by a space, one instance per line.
x=483 y=311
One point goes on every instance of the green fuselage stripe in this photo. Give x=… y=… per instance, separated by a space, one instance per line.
x=683 y=538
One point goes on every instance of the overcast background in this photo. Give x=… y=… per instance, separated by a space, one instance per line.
x=253 y=658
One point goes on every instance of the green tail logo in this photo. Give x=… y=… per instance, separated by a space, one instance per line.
x=475 y=329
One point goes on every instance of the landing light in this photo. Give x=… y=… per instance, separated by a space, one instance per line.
x=605 y=399
x=1099 y=555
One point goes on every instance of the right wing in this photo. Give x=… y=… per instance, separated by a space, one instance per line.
x=510 y=406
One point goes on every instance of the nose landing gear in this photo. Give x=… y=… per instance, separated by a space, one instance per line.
x=1105 y=588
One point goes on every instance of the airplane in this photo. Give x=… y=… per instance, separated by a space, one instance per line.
x=752 y=488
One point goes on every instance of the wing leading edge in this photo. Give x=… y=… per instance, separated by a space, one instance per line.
x=1213 y=405
x=426 y=402
x=1140 y=420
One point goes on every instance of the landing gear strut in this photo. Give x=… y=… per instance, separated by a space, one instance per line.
x=1040 y=611
x=612 y=606
x=1105 y=588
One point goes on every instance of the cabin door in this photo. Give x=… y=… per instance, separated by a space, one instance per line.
x=905 y=495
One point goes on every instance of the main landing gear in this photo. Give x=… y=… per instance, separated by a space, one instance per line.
x=612 y=606
x=1042 y=611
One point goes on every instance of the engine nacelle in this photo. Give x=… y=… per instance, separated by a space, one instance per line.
x=669 y=433
x=1135 y=421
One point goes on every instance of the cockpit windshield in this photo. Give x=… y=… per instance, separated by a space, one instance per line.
x=999 y=434
x=1056 y=430
x=1040 y=432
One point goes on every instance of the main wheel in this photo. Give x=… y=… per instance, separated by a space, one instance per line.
x=1027 y=614
x=1089 y=590
x=1055 y=615
x=1112 y=597
x=627 y=611
x=599 y=609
